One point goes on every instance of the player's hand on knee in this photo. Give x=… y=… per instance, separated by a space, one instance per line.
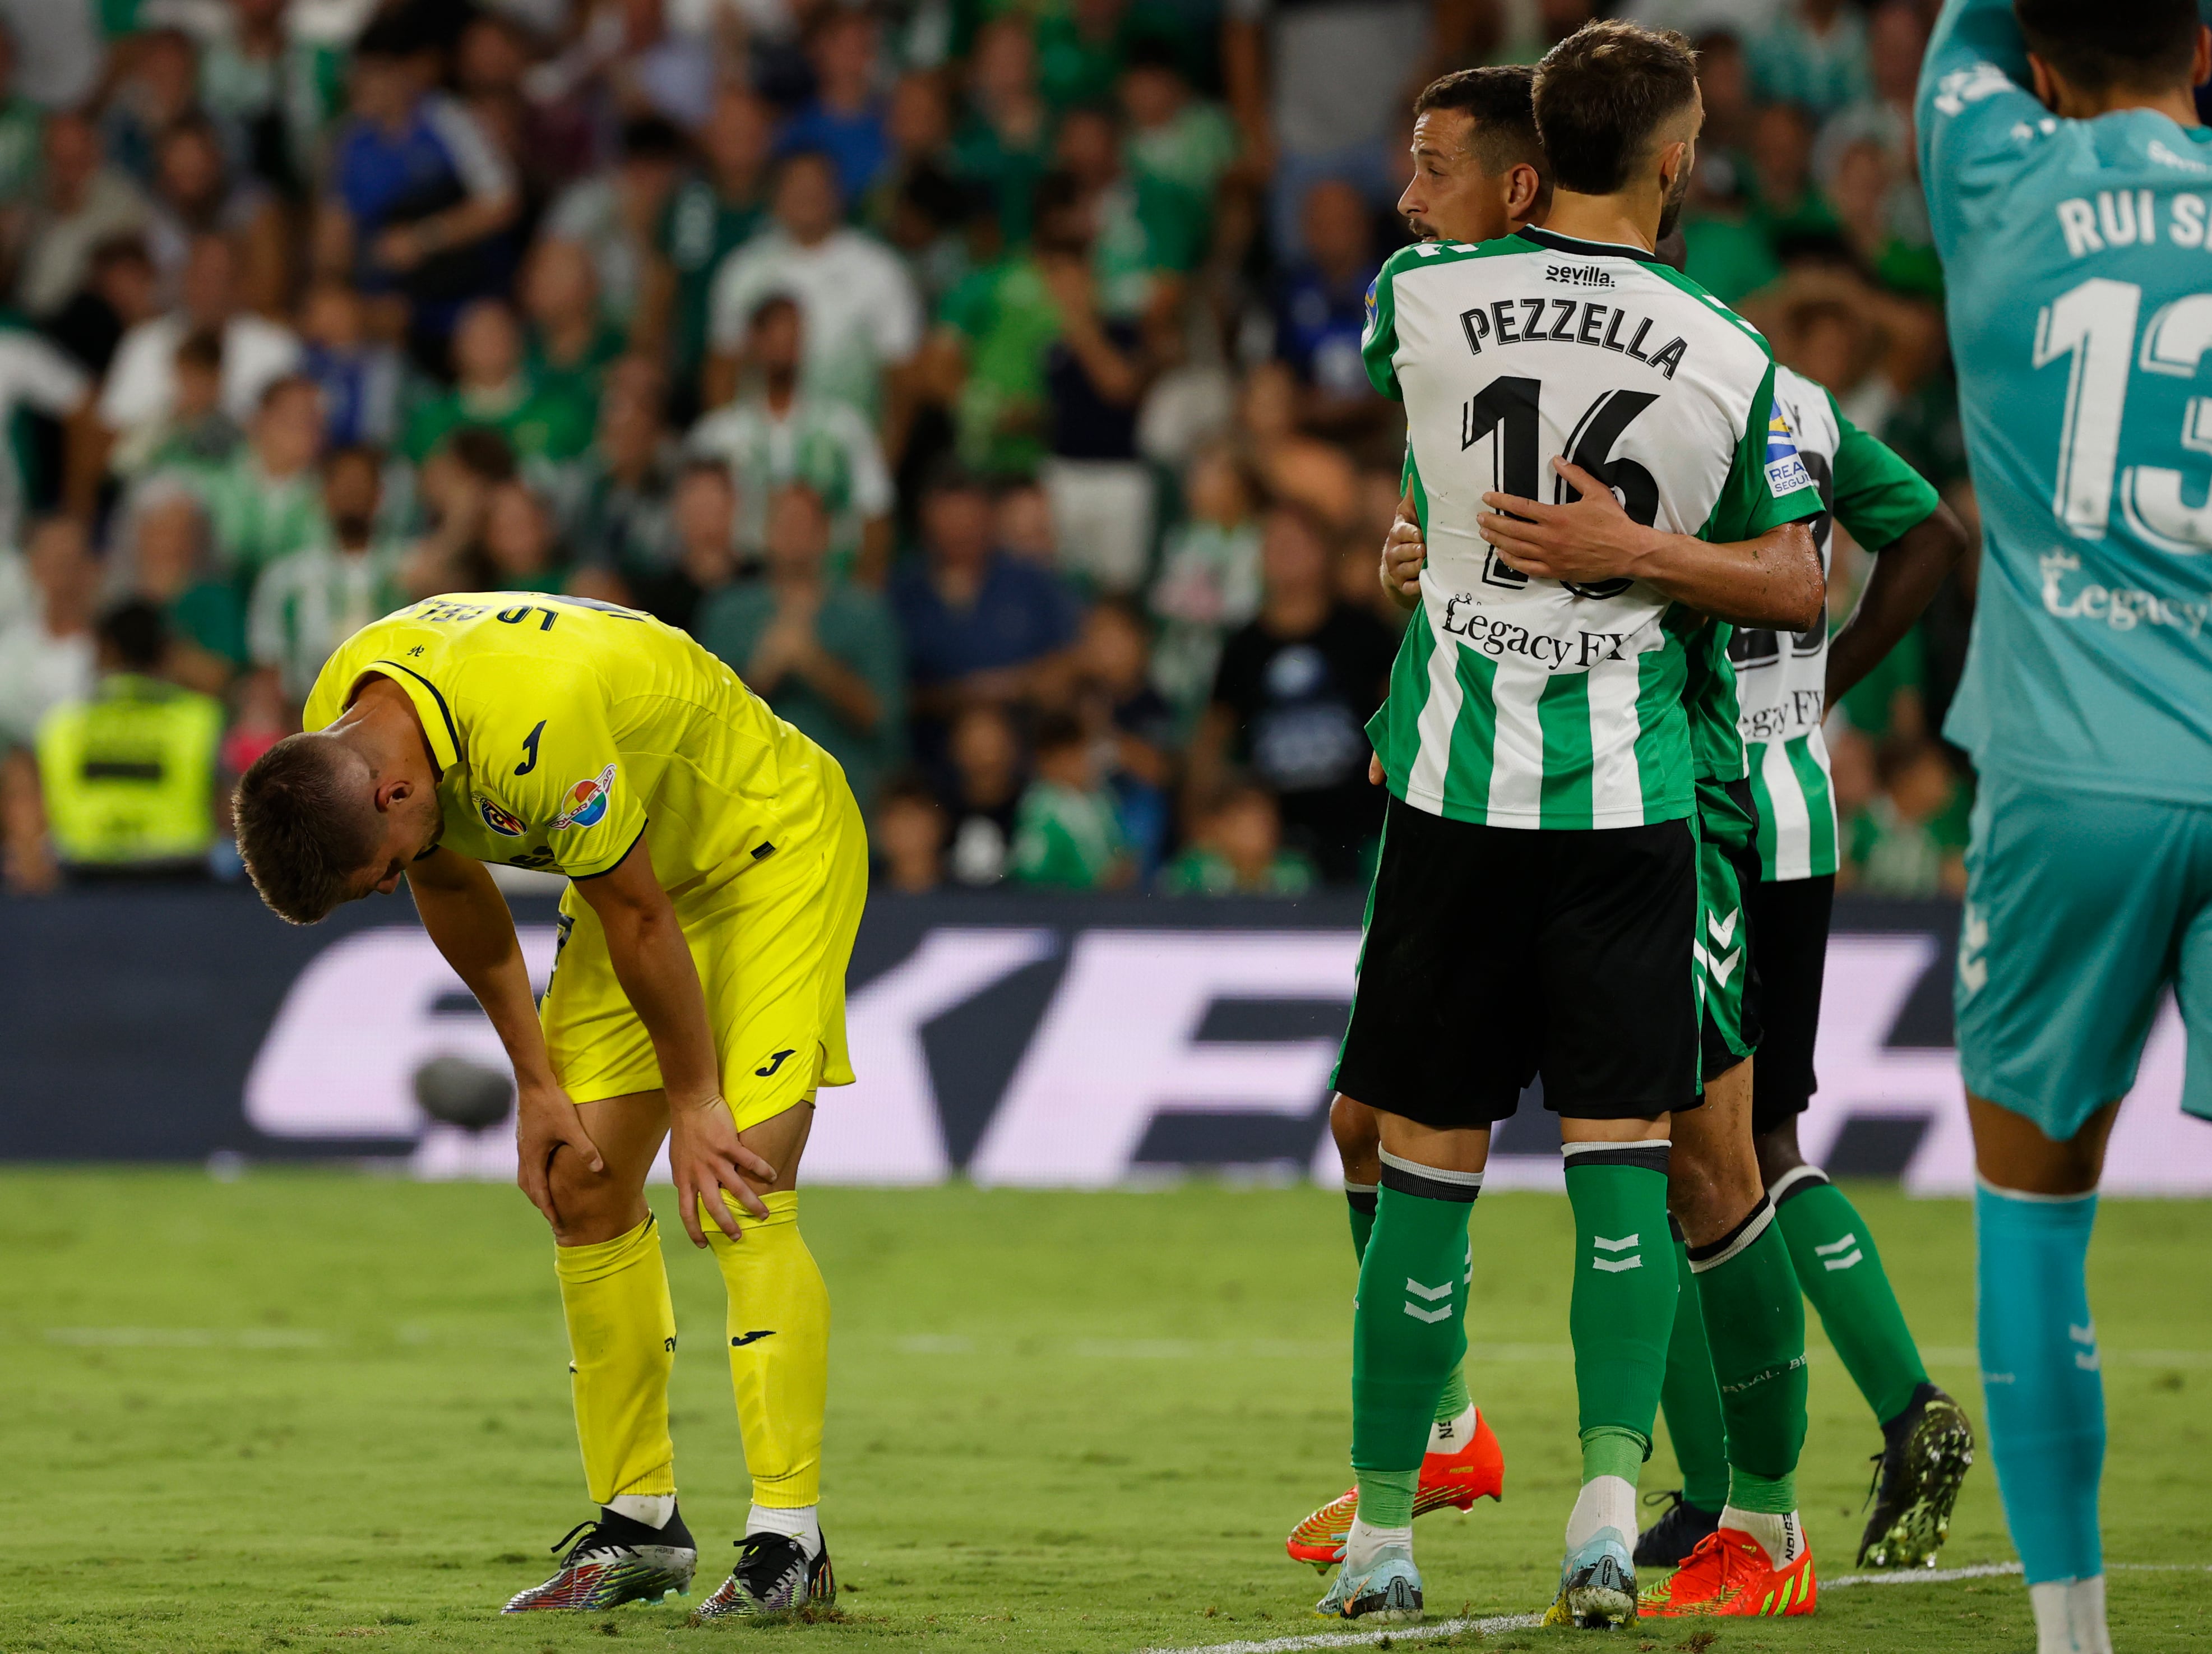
x=709 y=1160
x=545 y=1122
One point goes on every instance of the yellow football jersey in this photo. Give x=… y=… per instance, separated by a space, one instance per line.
x=564 y=729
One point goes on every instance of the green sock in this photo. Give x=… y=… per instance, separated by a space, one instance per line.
x=1841 y=1272
x=1408 y=1330
x=1692 y=1400
x=1623 y=1306
x=1609 y=1451
x=1755 y=1322
x=1359 y=1198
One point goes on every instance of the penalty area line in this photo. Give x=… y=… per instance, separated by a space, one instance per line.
x=1412 y=1636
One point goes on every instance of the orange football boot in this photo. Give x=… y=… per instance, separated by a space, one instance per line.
x=1474 y=1471
x=1728 y=1574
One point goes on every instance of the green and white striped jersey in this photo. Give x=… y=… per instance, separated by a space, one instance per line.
x=1526 y=702
x=1780 y=680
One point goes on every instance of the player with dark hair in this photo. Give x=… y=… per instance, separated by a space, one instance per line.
x=1541 y=765
x=2066 y=168
x=717 y=867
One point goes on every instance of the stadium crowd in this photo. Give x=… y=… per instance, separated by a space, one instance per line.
x=980 y=379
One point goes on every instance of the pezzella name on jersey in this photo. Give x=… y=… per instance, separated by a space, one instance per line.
x=1570 y=321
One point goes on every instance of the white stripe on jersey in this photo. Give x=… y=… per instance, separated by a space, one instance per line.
x=1791 y=822
x=1424 y=782
x=1516 y=774
x=1616 y=781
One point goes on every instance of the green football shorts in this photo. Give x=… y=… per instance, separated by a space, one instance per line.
x=2082 y=909
x=1728 y=982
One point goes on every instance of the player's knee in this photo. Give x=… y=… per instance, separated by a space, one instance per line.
x=1358 y=1137
x=1778 y=1152
x=585 y=1201
x=1711 y=1189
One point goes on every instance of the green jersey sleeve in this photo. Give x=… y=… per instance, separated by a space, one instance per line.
x=1378 y=344
x=1769 y=483
x=1879 y=497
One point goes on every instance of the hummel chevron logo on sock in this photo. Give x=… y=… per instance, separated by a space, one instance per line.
x=1616 y=1265
x=1431 y=1293
x=1723 y=931
x=1848 y=1245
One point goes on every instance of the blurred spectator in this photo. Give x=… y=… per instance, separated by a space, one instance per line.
x=844 y=118
x=154 y=85
x=1082 y=47
x=1237 y=850
x=1320 y=89
x=127 y=775
x=1209 y=579
x=920 y=204
x=909 y=836
x=709 y=216
x=270 y=83
x=1812 y=52
x=455 y=484
x=307 y=603
x=1292 y=465
x=1897 y=38
x=863 y=318
x=194 y=195
x=614 y=217
x=1129 y=722
x=1911 y=838
x=36 y=377
x=984 y=755
x=120 y=290
x=1724 y=86
x=1187 y=141
x=1068 y=834
x=571 y=342
x=978 y=623
x=359 y=376
x=198 y=437
x=418 y=199
x=703 y=519
x=57 y=50
x=1292 y=697
x=23 y=132
x=141 y=390
x=1146 y=232
x=491 y=392
x=80 y=202
x=1001 y=145
x=1094 y=372
x=521 y=546
x=1321 y=311
x=1884 y=221
x=46 y=641
x=163 y=561
x=266 y=503
x=615 y=498
x=823 y=652
x=778 y=432
x=1023 y=516
x=1788 y=204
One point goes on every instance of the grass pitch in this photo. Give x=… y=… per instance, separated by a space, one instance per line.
x=315 y=1411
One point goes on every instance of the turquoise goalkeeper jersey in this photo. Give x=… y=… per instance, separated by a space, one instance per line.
x=2078 y=268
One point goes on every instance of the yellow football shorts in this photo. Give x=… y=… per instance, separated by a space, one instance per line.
x=771 y=945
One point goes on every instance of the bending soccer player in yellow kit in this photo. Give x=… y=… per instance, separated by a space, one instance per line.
x=717 y=866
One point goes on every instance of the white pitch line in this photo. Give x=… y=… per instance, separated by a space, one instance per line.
x=1412 y=1634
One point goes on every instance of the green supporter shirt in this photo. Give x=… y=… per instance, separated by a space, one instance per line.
x=1007 y=320
x=698 y=228
x=1065 y=839
x=550 y=424
x=1521 y=702
x=254 y=518
x=856 y=629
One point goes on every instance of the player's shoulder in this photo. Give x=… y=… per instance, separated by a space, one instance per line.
x=1706 y=311
x=1439 y=255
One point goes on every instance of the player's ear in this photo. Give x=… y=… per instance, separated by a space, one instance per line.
x=2046 y=84
x=2200 y=64
x=1522 y=186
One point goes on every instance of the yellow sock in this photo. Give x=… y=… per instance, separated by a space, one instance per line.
x=778 y=1331
x=622 y=1344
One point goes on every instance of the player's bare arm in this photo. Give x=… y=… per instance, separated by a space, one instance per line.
x=1772 y=580
x=468 y=919
x=1906 y=575
x=654 y=964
